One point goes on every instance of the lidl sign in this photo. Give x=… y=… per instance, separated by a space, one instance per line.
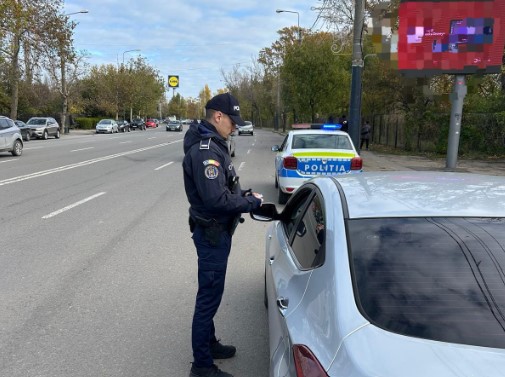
x=173 y=81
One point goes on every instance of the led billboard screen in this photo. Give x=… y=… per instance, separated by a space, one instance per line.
x=448 y=36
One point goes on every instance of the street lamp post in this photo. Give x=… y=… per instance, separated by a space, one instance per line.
x=298 y=24
x=124 y=52
x=64 y=92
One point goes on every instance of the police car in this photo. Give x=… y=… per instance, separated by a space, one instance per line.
x=311 y=151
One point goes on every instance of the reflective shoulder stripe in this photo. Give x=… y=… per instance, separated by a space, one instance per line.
x=205 y=144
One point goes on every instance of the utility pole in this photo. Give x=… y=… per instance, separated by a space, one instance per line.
x=457 y=96
x=357 y=69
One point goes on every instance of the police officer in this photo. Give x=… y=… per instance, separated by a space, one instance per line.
x=216 y=202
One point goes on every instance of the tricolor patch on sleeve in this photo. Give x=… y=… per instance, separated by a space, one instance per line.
x=211 y=162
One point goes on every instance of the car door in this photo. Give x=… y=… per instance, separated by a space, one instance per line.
x=4 y=126
x=286 y=281
x=52 y=126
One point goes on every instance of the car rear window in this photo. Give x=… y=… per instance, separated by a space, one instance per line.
x=321 y=141
x=434 y=278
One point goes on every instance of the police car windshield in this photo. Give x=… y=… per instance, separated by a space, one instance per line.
x=321 y=141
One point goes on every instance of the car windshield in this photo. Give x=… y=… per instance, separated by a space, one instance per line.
x=434 y=278
x=247 y=123
x=321 y=141
x=36 y=121
x=105 y=122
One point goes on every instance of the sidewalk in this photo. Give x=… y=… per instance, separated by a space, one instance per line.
x=375 y=161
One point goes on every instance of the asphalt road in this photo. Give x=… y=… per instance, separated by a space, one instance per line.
x=97 y=267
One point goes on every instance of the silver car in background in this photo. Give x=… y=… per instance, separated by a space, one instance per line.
x=390 y=274
x=107 y=126
x=10 y=137
x=248 y=128
x=43 y=127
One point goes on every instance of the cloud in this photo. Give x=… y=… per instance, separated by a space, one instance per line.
x=193 y=39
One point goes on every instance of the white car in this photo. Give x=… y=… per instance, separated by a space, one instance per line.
x=10 y=137
x=321 y=150
x=391 y=274
x=107 y=126
x=248 y=128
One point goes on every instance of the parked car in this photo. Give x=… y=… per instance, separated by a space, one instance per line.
x=107 y=126
x=231 y=145
x=43 y=127
x=138 y=124
x=175 y=125
x=10 y=137
x=320 y=150
x=151 y=123
x=387 y=274
x=26 y=131
x=248 y=128
x=123 y=126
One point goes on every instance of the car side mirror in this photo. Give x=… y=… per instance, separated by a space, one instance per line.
x=267 y=212
x=275 y=148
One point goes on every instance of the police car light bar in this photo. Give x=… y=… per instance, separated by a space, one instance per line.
x=328 y=127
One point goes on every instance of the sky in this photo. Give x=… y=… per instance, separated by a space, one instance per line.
x=192 y=39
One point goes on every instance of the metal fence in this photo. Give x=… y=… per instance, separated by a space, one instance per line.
x=480 y=132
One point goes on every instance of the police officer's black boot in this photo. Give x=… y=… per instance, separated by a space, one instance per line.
x=221 y=351
x=213 y=371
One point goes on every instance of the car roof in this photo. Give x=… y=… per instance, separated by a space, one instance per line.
x=317 y=132
x=422 y=194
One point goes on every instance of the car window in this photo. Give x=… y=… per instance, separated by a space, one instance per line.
x=309 y=239
x=3 y=124
x=434 y=278
x=321 y=141
x=294 y=210
x=37 y=121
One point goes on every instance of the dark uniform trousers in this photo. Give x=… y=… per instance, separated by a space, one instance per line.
x=212 y=262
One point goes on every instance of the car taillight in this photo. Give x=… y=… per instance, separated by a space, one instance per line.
x=290 y=162
x=306 y=363
x=356 y=163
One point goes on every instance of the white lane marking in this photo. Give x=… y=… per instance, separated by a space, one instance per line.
x=82 y=163
x=242 y=164
x=248 y=151
x=13 y=159
x=124 y=142
x=52 y=214
x=82 y=149
x=26 y=149
x=149 y=138
x=162 y=166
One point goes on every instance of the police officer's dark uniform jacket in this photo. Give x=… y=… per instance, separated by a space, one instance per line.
x=210 y=179
x=216 y=202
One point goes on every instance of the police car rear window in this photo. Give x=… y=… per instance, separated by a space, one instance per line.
x=321 y=141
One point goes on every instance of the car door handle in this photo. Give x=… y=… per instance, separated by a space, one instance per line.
x=282 y=304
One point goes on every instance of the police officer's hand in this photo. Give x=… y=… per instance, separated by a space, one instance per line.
x=258 y=196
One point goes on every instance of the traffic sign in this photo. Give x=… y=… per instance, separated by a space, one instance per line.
x=173 y=81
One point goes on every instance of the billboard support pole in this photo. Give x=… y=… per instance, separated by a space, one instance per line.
x=457 y=97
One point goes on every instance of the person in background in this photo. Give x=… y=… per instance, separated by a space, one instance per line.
x=216 y=203
x=343 y=122
x=365 y=135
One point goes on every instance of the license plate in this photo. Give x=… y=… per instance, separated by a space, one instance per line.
x=323 y=166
